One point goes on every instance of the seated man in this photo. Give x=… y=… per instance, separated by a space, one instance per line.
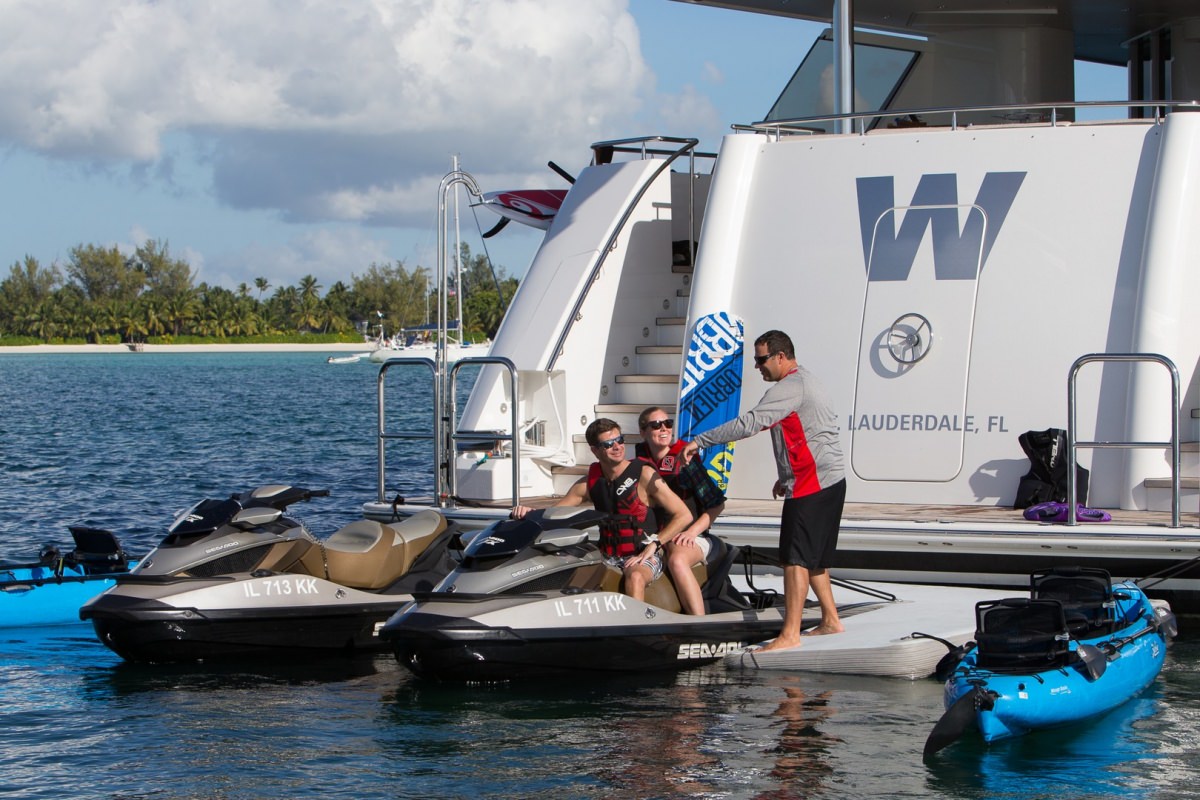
x=626 y=489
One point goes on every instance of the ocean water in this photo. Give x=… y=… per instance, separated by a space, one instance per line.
x=126 y=441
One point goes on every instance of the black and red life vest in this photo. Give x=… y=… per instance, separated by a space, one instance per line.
x=633 y=521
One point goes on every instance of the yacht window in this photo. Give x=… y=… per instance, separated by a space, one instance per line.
x=878 y=73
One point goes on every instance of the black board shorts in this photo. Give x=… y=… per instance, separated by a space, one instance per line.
x=808 y=530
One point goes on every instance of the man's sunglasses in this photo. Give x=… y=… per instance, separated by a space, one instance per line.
x=760 y=360
x=655 y=424
x=609 y=444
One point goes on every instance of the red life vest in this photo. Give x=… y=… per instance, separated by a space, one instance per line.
x=623 y=537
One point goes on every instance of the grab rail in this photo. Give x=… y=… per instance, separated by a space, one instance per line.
x=1149 y=358
x=454 y=436
x=442 y=433
x=689 y=146
x=865 y=119
x=381 y=433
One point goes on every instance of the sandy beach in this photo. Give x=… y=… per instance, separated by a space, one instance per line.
x=36 y=349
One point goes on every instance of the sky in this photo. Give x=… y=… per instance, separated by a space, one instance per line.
x=284 y=138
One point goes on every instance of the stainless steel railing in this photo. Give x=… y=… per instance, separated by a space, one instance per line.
x=1036 y=113
x=442 y=433
x=687 y=146
x=1072 y=443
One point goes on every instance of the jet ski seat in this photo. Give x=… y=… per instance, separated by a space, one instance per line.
x=661 y=593
x=370 y=555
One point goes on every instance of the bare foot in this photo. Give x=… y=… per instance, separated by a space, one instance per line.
x=822 y=630
x=779 y=644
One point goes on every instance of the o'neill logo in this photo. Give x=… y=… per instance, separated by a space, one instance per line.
x=957 y=255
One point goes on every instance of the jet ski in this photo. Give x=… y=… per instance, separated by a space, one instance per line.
x=534 y=597
x=50 y=590
x=239 y=578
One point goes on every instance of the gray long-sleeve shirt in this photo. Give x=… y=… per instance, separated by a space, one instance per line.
x=804 y=433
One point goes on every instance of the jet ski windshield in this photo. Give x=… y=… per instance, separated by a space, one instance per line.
x=200 y=520
x=505 y=539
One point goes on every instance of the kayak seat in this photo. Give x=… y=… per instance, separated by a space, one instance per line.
x=1086 y=597
x=97 y=550
x=1019 y=635
x=370 y=555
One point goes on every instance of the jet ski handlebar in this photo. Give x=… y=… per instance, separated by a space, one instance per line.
x=567 y=517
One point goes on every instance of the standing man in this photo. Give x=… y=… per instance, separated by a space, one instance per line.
x=627 y=490
x=808 y=457
x=696 y=489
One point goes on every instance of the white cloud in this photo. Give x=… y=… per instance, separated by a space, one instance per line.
x=691 y=111
x=330 y=254
x=345 y=111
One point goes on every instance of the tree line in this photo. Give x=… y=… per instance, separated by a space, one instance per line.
x=101 y=295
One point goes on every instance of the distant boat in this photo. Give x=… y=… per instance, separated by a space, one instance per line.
x=352 y=358
x=413 y=343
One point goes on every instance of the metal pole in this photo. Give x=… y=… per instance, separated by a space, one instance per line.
x=843 y=62
x=444 y=445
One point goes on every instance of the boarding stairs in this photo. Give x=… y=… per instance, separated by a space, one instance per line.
x=1159 y=489
x=653 y=379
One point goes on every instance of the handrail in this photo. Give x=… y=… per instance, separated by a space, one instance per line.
x=689 y=145
x=453 y=436
x=803 y=125
x=454 y=178
x=381 y=430
x=1150 y=358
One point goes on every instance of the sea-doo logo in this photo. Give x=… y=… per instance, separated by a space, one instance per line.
x=703 y=650
x=220 y=547
x=957 y=255
x=493 y=540
x=527 y=570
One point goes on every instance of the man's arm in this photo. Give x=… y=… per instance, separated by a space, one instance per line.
x=659 y=494
x=708 y=497
x=574 y=497
x=779 y=401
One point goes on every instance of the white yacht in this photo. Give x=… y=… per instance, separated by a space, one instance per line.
x=959 y=251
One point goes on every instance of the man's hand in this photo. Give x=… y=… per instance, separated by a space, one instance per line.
x=778 y=490
x=519 y=512
x=689 y=450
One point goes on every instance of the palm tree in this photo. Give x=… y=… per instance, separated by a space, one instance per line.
x=131 y=324
x=309 y=288
x=180 y=312
x=154 y=320
x=262 y=285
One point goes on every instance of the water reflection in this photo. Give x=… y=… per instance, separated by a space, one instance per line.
x=126 y=679
x=802 y=757
x=660 y=749
x=1042 y=764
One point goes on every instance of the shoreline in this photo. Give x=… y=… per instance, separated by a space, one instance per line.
x=327 y=347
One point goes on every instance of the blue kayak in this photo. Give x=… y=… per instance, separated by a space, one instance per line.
x=50 y=591
x=1078 y=647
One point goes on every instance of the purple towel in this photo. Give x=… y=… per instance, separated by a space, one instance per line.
x=1057 y=512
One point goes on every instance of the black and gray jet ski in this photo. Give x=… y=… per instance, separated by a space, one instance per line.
x=238 y=577
x=534 y=597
